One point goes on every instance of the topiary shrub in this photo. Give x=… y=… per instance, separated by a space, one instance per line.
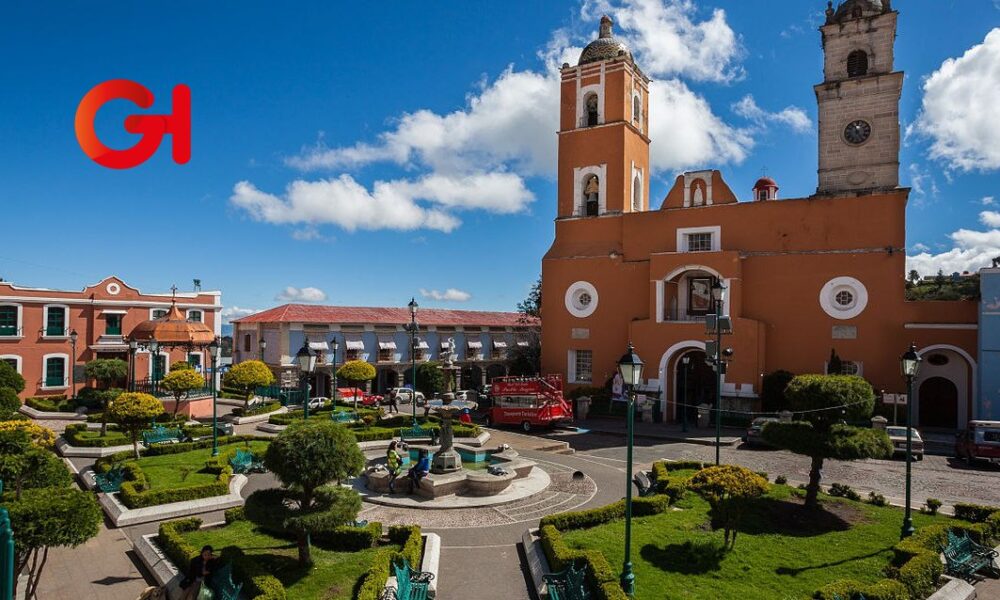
x=842 y=490
x=932 y=506
x=728 y=489
x=974 y=513
x=10 y=378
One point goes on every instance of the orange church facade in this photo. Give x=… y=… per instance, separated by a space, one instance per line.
x=803 y=276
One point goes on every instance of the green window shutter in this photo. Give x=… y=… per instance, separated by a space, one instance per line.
x=8 y=320
x=55 y=372
x=56 y=323
x=113 y=324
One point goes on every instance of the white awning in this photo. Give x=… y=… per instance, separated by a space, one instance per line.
x=386 y=345
x=445 y=345
x=355 y=345
x=108 y=311
x=422 y=344
x=499 y=344
x=523 y=343
x=319 y=346
x=475 y=344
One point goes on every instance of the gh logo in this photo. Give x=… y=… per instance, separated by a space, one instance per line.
x=151 y=127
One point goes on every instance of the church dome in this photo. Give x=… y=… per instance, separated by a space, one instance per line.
x=853 y=9
x=605 y=47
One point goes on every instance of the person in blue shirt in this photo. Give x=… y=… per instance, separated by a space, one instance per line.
x=419 y=470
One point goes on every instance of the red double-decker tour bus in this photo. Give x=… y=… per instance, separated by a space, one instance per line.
x=528 y=402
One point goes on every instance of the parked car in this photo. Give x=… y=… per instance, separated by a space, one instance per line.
x=897 y=435
x=346 y=396
x=405 y=396
x=980 y=441
x=754 y=435
x=318 y=402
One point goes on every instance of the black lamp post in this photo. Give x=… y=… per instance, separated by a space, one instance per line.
x=719 y=295
x=132 y=347
x=154 y=349
x=72 y=361
x=213 y=355
x=686 y=361
x=336 y=347
x=909 y=364
x=307 y=365
x=630 y=366
x=263 y=346
x=412 y=327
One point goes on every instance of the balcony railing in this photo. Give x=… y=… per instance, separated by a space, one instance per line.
x=10 y=331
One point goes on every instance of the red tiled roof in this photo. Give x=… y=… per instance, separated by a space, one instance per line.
x=311 y=313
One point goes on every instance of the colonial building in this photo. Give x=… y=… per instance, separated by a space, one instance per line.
x=379 y=336
x=805 y=276
x=49 y=335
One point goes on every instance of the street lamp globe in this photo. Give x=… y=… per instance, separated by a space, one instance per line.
x=73 y=336
x=630 y=366
x=718 y=291
x=213 y=348
x=909 y=362
x=413 y=308
x=306 y=358
x=263 y=346
x=154 y=346
x=133 y=345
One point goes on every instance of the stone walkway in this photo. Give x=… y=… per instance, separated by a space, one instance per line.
x=104 y=568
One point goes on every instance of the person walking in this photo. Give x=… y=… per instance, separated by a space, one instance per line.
x=394 y=463
x=200 y=569
x=393 y=399
x=419 y=470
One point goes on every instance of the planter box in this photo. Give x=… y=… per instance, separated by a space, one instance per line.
x=123 y=516
x=65 y=449
x=55 y=416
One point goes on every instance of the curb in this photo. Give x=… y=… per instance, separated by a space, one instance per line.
x=65 y=449
x=50 y=416
x=125 y=517
x=538 y=565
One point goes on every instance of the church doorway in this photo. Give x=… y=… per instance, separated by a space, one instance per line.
x=938 y=403
x=695 y=384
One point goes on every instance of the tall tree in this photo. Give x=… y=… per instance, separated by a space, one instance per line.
x=823 y=402
x=305 y=457
x=180 y=383
x=133 y=412
x=532 y=305
x=107 y=372
x=26 y=465
x=913 y=277
x=430 y=378
x=246 y=377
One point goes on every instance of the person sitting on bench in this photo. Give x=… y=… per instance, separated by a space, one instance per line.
x=419 y=470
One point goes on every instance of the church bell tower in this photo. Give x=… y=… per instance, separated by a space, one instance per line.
x=859 y=99
x=603 y=131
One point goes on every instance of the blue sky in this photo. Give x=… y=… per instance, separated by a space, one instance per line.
x=356 y=156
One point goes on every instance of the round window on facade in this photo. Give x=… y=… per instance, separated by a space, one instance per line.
x=938 y=360
x=581 y=299
x=113 y=288
x=843 y=298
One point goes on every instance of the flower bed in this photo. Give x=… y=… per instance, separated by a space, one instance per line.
x=267 y=566
x=177 y=472
x=843 y=549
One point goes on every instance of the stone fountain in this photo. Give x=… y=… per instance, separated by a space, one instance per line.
x=447 y=459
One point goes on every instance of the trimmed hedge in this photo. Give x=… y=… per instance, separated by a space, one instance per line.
x=51 y=404
x=412 y=542
x=583 y=519
x=601 y=578
x=673 y=487
x=259 y=584
x=75 y=435
x=974 y=513
x=848 y=589
x=259 y=409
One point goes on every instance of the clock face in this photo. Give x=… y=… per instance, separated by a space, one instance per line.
x=857 y=132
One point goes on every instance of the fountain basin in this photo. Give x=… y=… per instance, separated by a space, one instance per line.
x=462 y=482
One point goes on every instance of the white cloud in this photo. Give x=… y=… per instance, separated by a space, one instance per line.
x=923 y=183
x=793 y=116
x=960 y=99
x=478 y=157
x=972 y=251
x=667 y=41
x=231 y=313
x=306 y=294
x=987 y=201
x=449 y=295
x=921 y=247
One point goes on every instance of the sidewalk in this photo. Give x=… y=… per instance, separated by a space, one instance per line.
x=669 y=432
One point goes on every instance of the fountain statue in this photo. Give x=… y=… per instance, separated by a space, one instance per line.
x=447 y=459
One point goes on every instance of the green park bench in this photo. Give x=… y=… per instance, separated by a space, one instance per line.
x=160 y=434
x=568 y=584
x=111 y=481
x=964 y=557
x=344 y=416
x=410 y=584
x=414 y=432
x=644 y=484
x=222 y=584
x=245 y=462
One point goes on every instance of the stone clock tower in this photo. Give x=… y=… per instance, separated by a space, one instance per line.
x=859 y=99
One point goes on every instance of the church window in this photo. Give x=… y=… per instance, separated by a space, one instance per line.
x=857 y=64
x=590 y=104
x=637 y=193
x=583 y=361
x=844 y=298
x=699 y=242
x=636 y=111
x=762 y=194
x=591 y=193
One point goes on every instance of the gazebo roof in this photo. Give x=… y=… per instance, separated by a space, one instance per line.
x=173 y=329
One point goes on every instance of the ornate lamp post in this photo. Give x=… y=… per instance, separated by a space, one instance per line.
x=630 y=366
x=686 y=361
x=336 y=347
x=154 y=349
x=213 y=354
x=719 y=295
x=133 y=346
x=412 y=328
x=909 y=363
x=72 y=361
x=307 y=365
x=263 y=346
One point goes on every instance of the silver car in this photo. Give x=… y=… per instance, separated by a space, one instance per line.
x=897 y=435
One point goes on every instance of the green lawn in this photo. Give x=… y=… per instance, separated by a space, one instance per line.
x=782 y=551
x=333 y=577
x=186 y=469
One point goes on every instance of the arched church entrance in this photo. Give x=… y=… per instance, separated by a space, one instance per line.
x=695 y=384
x=938 y=403
x=944 y=385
